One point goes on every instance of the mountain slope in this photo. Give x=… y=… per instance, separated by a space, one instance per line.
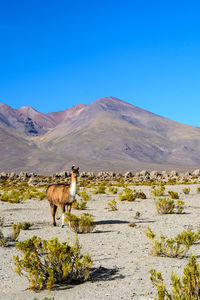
x=106 y=134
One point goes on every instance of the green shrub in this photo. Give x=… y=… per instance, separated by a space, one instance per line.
x=132 y=224
x=3 y=240
x=140 y=195
x=46 y=263
x=101 y=189
x=173 y=247
x=84 y=195
x=16 y=231
x=186 y=191
x=113 y=190
x=137 y=215
x=41 y=195
x=83 y=224
x=158 y=192
x=127 y=196
x=164 y=205
x=112 y=204
x=82 y=204
x=198 y=189
x=25 y=225
x=180 y=206
x=187 y=289
x=173 y=195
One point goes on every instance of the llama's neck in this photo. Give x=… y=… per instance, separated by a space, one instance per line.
x=73 y=188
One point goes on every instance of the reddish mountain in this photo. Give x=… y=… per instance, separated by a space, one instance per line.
x=106 y=134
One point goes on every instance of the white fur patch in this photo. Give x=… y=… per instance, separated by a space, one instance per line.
x=73 y=190
x=63 y=219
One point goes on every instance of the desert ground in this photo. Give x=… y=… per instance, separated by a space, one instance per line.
x=120 y=253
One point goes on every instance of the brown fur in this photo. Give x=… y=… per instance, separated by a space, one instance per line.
x=58 y=195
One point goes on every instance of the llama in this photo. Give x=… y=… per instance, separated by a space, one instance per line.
x=60 y=195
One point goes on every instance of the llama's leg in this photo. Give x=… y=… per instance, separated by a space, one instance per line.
x=53 y=212
x=63 y=216
x=69 y=206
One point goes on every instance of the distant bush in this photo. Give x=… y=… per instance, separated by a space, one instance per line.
x=132 y=224
x=198 y=189
x=13 y=197
x=113 y=190
x=158 y=192
x=186 y=191
x=100 y=190
x=16 y=231
x=25 y=225
x=81 y=205
x=127 y=196
x=173 y=195
x=46 y=263
x=187 y=289
x=140 y=195
x=83 y=224
x=112 y=204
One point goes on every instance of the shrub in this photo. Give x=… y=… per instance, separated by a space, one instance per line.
x=158 y=192
x=113 y=190
x=1 y=221
x=164 y=205
x=173 y=247
x=25 y=225
x=137 y=215
x=100 y=190
x=140 y=195
x=82 y=224
x=198 y=189
x=84 y=195
x=79 y=204
x=127 y=196
x=173 y=195
x=16 y=231
x=46 y=263
x=132 y=224
x=186 y=191
x=112 y=204
x=188 y=289
x=41 y=195
x=3 y=240
x=180 y=206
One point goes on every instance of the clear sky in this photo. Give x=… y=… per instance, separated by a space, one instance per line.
x=55 y=54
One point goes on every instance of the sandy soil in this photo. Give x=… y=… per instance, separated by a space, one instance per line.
x=122 y=252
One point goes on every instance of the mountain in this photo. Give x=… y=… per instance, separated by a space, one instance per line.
x=108 y=134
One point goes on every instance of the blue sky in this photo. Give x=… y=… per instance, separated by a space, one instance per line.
x=56 y=54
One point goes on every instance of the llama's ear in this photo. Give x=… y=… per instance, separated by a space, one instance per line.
x=78 y=168
x=73 y=167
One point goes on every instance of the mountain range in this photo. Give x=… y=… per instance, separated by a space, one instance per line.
x=108 y=134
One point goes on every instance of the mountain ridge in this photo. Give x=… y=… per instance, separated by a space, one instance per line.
x=105 y=134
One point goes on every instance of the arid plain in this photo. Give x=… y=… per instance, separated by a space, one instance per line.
x=120 y=253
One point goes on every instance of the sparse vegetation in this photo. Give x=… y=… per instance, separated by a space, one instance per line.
x=137 y=215
x=127 y=196
x=187 y=289
x=157 y=192
x=168 y=206
x=164 y=205
x=173 y=195
x=186 y=190
x=113 y=190
x=83 y=224
x=172 y=247
x=101 y=189
x=46 y=263
x=112 y=204
x=132 y=224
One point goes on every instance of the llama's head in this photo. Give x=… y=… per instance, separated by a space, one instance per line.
x=75 y=171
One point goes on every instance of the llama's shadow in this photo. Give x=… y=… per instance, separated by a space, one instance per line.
x=109 y=222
